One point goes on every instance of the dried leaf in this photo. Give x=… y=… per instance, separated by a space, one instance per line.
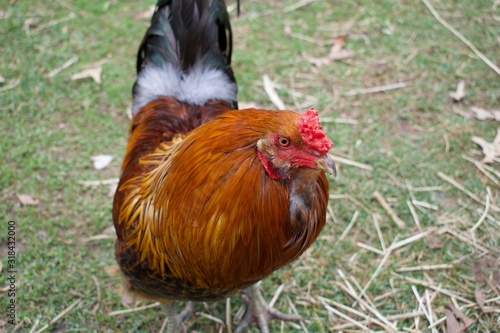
x=459 y=94
x=343 y=54
x=94 y=73
x=466 y=321
x=337 y=52
x=2 y=79
x=491 y=150
x=480 y=299
x=319 y=62
x=97 y=63
x=1 y=267
x=27 y=200
x=452 y=324
x=434 y=242
x=483 y=114
x=480 y=269
x=486 y=272
x=101 y=161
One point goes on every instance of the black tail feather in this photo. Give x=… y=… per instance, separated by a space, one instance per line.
x=188 y=33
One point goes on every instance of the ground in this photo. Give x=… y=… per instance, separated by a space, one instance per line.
x=413 y=145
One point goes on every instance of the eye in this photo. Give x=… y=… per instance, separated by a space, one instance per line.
x=284 y=142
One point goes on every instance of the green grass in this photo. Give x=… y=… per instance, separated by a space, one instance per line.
x=51 y=127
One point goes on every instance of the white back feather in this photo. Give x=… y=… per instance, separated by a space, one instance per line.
x=197 y=86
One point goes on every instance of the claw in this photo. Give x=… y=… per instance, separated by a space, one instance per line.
x=259 y=312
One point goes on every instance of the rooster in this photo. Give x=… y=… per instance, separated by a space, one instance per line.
x=211 y=199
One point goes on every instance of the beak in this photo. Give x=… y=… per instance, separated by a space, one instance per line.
x=326 y=164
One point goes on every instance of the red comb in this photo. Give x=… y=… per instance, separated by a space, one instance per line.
x=312 y=133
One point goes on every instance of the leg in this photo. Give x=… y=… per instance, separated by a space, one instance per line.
x=172 y=318
x=175 y=323
x=188 y=310
x=259 y=312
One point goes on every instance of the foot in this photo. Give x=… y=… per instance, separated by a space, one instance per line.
x=259 y=312
x=181 y=317
x=175 y=322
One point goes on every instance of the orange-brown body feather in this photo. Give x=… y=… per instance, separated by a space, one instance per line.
x=196 y=214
